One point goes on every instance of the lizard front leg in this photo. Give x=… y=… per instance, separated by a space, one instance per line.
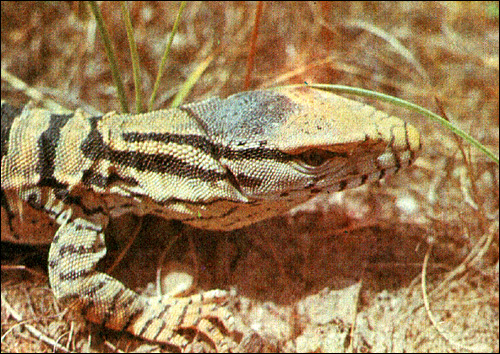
x=74 y=253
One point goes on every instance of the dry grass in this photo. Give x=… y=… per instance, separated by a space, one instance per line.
x=443 y=56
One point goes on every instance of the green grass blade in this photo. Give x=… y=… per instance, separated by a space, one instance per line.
x=165 y=56
x=136 y=67
x=111 y=55
x=411 y=106
x=191 y=80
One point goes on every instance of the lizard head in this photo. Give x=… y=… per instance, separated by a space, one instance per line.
x=219 y=163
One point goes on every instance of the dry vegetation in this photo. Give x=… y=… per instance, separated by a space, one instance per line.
x=300 y=280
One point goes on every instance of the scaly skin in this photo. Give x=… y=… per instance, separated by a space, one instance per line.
x=220 y=164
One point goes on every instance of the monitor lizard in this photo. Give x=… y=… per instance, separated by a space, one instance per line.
x=218 y=164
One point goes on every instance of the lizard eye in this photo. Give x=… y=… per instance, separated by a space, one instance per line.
x=315 y=157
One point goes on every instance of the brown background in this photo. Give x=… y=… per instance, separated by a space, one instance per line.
x=291 y=275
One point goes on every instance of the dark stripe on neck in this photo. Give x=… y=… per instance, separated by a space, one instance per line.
x=95 y=149
x=47 y=146
x=216 y=151
x=162 y=163
x=9 y=114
